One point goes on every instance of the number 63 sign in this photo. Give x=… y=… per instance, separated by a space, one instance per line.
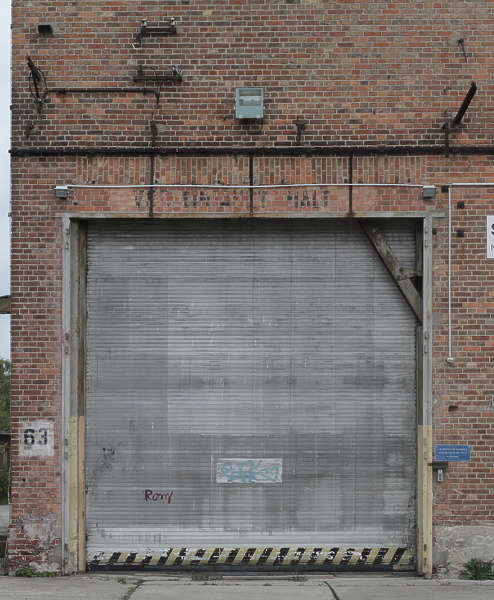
x=37 y=438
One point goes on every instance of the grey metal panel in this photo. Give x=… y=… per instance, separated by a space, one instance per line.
x=277 y=340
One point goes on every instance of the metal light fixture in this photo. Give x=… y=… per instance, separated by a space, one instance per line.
x=429 y=192
x=249 y=103
x=61 y=191
x=45 y=29
x=167 y=28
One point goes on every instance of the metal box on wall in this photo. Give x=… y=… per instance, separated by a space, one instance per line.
x=249 y=103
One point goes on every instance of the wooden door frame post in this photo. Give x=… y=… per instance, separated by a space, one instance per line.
x=424 y=412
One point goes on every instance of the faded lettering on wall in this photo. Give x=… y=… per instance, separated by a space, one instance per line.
x=223 y=200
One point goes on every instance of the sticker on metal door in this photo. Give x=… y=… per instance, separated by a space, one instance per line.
x=249 y=470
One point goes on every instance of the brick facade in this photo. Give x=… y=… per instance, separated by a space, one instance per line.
x=375 y=80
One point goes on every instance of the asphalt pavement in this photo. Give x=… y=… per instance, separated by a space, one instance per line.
x=315 y=587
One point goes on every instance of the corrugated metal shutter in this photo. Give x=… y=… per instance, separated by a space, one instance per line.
x=249 y=383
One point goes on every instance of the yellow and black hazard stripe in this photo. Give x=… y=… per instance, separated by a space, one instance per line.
x=394 y=558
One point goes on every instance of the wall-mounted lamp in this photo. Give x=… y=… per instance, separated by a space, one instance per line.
x=429 y=192
x=45 y=29
x=249 y=103
x=61 y=191
x=168 y=28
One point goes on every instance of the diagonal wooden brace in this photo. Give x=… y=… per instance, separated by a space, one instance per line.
x=392 y=264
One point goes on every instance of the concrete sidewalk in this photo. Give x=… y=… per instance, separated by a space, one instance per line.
x=317 y=587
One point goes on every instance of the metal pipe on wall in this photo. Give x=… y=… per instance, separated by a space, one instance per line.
x=450 y=356
x=236 y=187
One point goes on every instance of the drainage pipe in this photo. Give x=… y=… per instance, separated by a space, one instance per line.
x=450 y=356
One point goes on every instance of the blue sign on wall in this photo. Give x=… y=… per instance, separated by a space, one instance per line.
x=451 y=453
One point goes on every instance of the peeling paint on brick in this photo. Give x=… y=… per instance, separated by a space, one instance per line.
x=37 y=543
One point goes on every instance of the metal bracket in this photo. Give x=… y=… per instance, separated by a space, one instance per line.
x=446 y=127
x=169 y=28
x=154 y=132
x=300 y=125
x=439 y=464
x=439 y=467
x=465 y=104
x=37 y=84
x=461 y=44
x=451 y=124
x=174 y=76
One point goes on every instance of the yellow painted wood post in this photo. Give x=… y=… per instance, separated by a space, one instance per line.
x=424 y=413
x=81 y=551
x=75 y=405
x=73 y=494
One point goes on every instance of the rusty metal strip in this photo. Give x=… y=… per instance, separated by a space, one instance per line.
x=407 y=559
x=388 y=557
x=292 y=556
x=323 y=555
x=122 y=558
x=206 y=557
x=356 y=556
x=338 y=557
x=191 y=556
x=306 y=555
x=172 y=557
x=273 y=555
x=240 y=556
x=371 y=557
x=259 y=551
x=261 y=556
x=404 y=150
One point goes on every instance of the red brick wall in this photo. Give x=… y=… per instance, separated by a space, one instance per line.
x=463 y=413
x=359 y=73
x=36 y=281
x=373 y=72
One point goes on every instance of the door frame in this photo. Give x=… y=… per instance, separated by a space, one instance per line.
x=74 y=229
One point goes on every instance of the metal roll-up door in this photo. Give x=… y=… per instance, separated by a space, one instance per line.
x=250 y=395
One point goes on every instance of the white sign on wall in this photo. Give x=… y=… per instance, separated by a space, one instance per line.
x=490 y=236
x=37 y=438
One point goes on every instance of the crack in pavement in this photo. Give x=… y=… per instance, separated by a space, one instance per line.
x=132 y=589
x=335 y=595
